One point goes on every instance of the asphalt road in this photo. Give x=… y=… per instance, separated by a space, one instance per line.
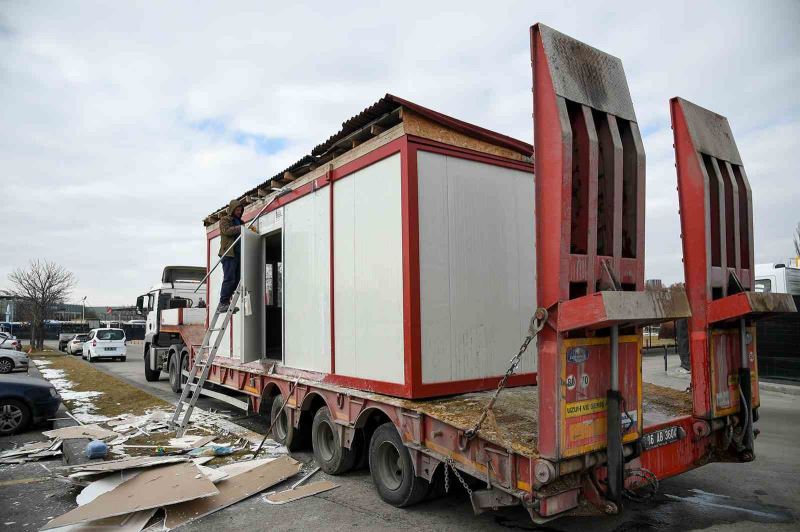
x=762 y=495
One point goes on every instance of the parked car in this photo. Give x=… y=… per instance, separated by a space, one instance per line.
x=9 y=341
x=75 y=346
x=25 y=400
x=12 y=360
x=105 y=343
x=63 y=340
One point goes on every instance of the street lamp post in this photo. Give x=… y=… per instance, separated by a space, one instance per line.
x=83 y=309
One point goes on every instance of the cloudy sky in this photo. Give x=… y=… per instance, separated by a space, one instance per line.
x=123 y=126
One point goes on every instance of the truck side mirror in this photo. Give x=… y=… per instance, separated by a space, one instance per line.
x=140 y=304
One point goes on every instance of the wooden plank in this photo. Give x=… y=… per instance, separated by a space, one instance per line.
x=290 y=495
x=80 y=432
x=375 y=129
x=422 y=127
x=125 y=463
x=149 y=489
x=121 y=523
x=232 y=490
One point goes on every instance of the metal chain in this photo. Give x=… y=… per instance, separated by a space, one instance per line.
x=537 y=324
x=449 y=464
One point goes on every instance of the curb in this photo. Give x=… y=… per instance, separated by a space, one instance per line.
x=789 y=389
x=71 y=450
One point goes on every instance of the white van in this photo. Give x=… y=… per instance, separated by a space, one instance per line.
x=105 y=343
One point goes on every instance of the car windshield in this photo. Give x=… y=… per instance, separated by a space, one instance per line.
x=110 y=334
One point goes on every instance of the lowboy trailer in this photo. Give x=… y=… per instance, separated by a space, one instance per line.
x=384 y=293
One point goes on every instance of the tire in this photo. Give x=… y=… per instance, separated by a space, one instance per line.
x=6 y=365
x=150 y=375
x=284 y=432
x=15 y=416
x=185 y=367
x=329 y=452
x=123 y=359
x=392 y=470
x=89 y=357
x=174 y=373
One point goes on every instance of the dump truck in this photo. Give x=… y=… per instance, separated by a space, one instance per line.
x=389 y=276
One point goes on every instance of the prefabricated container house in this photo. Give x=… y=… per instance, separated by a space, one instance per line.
x=401 y=262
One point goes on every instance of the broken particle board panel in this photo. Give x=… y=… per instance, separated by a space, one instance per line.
x=134 y=522
x=80 y=432
x=151 y=488
x=307 y=490
x=124 y=463
x=419 y=126
x=232 y=490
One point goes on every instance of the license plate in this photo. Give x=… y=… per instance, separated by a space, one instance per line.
x=111 y=348
x=660 y=437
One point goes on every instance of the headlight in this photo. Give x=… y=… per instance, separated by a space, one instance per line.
x=53 y=393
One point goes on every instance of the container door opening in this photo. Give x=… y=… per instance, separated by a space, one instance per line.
x=273 y=296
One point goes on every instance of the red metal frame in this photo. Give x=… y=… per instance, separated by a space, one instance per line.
x=717 y=237
x=578 y=142
x=407 y=146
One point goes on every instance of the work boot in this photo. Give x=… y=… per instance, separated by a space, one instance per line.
x=223 y=307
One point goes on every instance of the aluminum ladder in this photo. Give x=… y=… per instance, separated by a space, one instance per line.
x=194 y=384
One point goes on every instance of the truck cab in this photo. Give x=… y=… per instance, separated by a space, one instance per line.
x=181 y=287
x=779 y=278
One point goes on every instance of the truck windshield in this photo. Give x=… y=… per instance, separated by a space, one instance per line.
x=110 y=334
x=763 y=285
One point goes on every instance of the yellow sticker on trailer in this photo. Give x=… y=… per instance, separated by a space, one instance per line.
x=583 y=408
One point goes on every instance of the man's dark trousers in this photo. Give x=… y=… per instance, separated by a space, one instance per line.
x=231 y=273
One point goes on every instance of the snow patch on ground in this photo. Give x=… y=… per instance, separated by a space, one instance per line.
x=81 y=404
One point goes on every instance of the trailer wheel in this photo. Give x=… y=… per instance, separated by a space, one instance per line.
x=392 y=470
x=150 y=375
x=175 y=372
x=283 y=431
x=329 y=452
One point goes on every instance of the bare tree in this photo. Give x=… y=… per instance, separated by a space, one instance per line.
x=797 y=240
x=41 y=285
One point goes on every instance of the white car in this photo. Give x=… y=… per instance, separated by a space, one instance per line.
x=75 y=346
x=11 y=360
x=105 y=343
x=9 y=341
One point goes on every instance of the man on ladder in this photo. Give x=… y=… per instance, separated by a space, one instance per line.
x=230 y=227
x=229 y=245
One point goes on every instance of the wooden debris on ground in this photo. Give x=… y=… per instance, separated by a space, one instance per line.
x=94 y=432
x=31 y=452
x=232 y=490
x=306 y=490
x=151 y=488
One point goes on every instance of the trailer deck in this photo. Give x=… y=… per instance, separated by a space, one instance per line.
x=512 y=424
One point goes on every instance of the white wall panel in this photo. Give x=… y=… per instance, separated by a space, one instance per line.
x=477 y=267
x=368 y=273
x=306 y=297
